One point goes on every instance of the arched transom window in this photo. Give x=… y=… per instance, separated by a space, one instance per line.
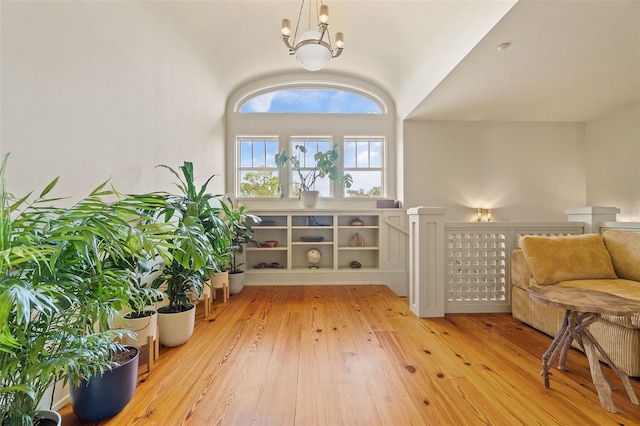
x=269 y=119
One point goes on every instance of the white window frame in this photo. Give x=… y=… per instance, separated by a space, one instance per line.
x=291 y=174
x=289 y=125
x=240 y=168
x=383 y=163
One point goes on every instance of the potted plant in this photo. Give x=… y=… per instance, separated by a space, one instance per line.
x=199 y=239
x=58 y=289
x=326 y=165
x=141 y=320
x=124 y=236
x=239 y=223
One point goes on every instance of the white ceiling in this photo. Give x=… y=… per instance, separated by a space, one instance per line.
x=569 y=60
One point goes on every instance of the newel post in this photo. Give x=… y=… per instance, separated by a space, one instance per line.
x=426 y=261
x=592 y=216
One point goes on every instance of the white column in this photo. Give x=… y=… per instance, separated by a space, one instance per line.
x=592 y=216
x=426 y=261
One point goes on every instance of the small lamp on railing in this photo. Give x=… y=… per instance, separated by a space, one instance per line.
x=481 y=217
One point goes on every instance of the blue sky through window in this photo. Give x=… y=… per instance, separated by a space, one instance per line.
x=311 y=101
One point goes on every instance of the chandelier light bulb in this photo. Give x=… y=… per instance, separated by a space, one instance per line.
x=324 y=14
x=340 y=40
x=286 y=27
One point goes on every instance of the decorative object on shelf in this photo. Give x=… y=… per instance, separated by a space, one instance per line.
x=355 y=264
x=357 y=240
x=387 y=204
x=268 y=244
x=263 y=265
x=313 y=239
x=313 y=257
x=312 y=221
x=326 y=165
x=313 y=49
x=357 y=222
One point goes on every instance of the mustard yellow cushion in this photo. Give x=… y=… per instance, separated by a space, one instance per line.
x=571 y=257
x=624 y=249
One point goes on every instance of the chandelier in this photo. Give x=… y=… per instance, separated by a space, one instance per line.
x=313 y=49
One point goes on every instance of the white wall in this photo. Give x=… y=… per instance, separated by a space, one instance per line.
x=524 y=171
x=92 y=90
x=613 y=161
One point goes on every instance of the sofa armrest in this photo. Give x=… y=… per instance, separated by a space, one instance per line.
x=520 y=273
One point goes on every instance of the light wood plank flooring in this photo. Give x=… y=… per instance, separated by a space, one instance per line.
x=356 y=355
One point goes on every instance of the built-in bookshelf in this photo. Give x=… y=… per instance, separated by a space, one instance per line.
x=349 y=243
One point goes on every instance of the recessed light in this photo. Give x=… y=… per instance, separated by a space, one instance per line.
x=504 y=46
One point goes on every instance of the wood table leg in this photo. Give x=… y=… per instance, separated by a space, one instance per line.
x=624 y=377
x=602 y=386
x=550 y=354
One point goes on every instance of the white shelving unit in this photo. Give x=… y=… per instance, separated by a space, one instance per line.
x=287 y=263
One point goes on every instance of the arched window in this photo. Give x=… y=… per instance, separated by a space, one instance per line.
x=276 y=114
x=317 y=101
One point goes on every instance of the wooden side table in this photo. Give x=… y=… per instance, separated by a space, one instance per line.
x=583 y=307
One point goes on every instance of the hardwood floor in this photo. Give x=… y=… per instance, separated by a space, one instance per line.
x=356 y=355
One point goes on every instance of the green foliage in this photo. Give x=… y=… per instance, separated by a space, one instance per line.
x=327 y=165
x=200 y=243
x=64 y=273
x=259 y=184
x=239 y=223
x=376 y=191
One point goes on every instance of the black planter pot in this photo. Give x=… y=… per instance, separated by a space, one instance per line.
x=104 y=396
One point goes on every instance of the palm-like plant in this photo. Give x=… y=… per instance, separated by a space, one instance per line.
x=200 y=242
x=61 y=279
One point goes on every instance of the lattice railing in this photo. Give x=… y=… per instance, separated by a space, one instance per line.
x=477 y=262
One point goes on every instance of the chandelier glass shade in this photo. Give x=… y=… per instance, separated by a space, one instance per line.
x=313 y=49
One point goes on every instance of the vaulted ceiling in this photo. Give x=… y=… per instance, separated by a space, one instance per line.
x=568 y=60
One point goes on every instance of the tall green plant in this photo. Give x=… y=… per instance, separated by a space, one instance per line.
x=61 y=280
x=240 y=226
x=200 y=242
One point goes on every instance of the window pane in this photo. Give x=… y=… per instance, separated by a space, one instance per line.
x=246 y=153
x=363 y=154
x=365 y=184
x=259 y=154
x=323 y=185
x=272 y=150
x=349 y=154
x=311 y=101
x=258 y=184
x=375 y=154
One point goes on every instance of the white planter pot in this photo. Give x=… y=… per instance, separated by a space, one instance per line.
x=51 y=415
x=143 y=328
x=176 y=328
x=218 y=279
x=236 y=283
x=309 y=198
